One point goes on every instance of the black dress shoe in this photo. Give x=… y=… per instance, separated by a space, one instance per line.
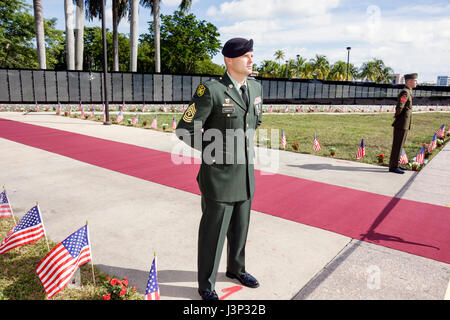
x=396 y=170
x=245 y=278
x=208 y=295
x=402 y=168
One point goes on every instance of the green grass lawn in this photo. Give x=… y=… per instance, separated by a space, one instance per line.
x=341 y=131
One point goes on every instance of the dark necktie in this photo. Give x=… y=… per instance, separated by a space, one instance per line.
x=244 y=94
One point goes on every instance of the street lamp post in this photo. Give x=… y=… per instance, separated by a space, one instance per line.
x=105 y=67
x=348 y=59
x=287 y=68
x=298 y=66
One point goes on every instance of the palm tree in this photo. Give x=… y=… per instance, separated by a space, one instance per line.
x=119 y=9
x=70 y=58
x=79 y=34
x=184 y=6
x=279 y=55
x=269 y=69
x=368 y=71
x=40 y=35
x=338 y=71
x=308 y=71
x=321 y=66
x=134 y=26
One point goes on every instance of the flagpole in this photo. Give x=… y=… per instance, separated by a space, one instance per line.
x=10 y=207
x=43 y=227
x=90 y=249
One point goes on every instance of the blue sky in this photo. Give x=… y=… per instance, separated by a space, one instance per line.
x=409 y=36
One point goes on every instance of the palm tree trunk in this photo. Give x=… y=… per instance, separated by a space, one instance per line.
x=40 y=36
x=79 y=40
x=134 y=34
x=157 y=36
x=68 y=9
x=115 y=15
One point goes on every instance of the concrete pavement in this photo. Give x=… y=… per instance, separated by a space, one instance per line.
x=130 y=218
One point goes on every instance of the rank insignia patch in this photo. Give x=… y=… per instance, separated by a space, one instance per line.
x=403 y=97
x=200 y=90
x=189 y=114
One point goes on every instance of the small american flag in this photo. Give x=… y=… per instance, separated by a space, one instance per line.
x=29 y=229
x=361 y=150
x=119 y=117
x=286 y=110
x=36 y=108
x=174 y=124
x=421 y=155
x=60 y=264
x=448 y=129
x=432 y=144
x=283 y=140
x=135 y=119
x=80 y=107
x=440 y=133
x=381 y=109
x=316 y=109
x=153 y=125
x=92 y=113
x=103 y=107
x=403 y=158
x=82 y=112
x=329 y=109
x=104 y=116
x=271 y=109
x=58 y=110
x=143 y=108
x=152 y=291
x=316 y=146
x=5 y=207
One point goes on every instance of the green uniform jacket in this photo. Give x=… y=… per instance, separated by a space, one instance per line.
x=227 y=172
x=403 y=110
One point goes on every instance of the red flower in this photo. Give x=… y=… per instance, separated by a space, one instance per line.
x=125 y=281
x=107 y=296
x=134 y=289
x=124 y=291
x=115 y=281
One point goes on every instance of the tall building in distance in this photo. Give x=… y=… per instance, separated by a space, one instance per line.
x=398 y=78
x=443 y=81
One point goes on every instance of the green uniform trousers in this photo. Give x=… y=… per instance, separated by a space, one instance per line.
x=220 y=220
x=397 y=144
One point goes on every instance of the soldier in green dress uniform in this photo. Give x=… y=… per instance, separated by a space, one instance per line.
x=221 y=121
x=402 y=122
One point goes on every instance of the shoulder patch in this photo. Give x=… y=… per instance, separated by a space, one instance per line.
x=403 y=97
x=189 y=113
x=200 y=90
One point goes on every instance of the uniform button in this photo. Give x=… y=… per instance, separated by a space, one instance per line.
x=214 y=161
x=247 y=125
x=228 y=115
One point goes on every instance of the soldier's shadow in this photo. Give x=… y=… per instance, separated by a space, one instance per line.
x=166 y=278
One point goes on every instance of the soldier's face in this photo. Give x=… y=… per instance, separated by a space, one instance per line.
x=412 y=83
x=243 y=64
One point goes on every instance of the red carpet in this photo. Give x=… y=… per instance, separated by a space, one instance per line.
x=409 y=226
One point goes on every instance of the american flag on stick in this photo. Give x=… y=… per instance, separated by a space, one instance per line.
x=421 y=155
x=440 y=133
x=432 y=144
x=82 y=112
x=361 y=151
x=29 y=229
x=283 y=140
x=174 y=124
x=58 y=110
x=316 y=146
x=60 y=264
x=119 y=117
x=135 y=119
x=403 y=157
x=153 y=125
x=5 y=206
x=152 y=291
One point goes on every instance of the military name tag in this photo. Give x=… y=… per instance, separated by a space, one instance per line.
x=227 y=109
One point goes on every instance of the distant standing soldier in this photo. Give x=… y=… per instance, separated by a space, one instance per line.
x=402 y=122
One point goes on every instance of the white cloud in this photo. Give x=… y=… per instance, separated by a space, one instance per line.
x=404 y=42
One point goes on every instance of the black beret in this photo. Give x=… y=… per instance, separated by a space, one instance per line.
x=411 y=76
x=237 y=47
